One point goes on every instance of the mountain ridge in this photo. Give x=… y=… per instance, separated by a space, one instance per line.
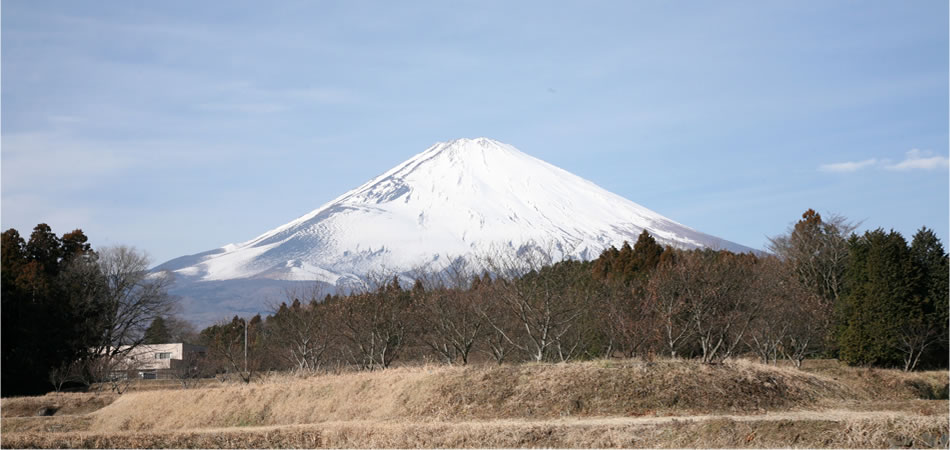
x=457 y=199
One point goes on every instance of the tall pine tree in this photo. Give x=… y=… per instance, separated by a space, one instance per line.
x=881 y=283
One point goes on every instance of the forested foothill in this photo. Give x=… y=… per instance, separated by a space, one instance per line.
x=822 y=291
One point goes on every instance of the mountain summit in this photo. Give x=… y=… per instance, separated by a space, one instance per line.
x=458 y=199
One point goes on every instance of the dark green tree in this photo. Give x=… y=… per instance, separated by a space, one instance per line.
x=157 y=332
x=881 y=284
x=922 y=334
x=45 y=249
x=603 y=266
x=51 y=304
x=629 y=264
x=646 y=254
x=74 y=243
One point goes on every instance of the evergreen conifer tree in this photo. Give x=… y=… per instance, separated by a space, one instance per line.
x=923 y=331
x=646 y=253
x=157 y=332
x=51 y=306
x=881 y=288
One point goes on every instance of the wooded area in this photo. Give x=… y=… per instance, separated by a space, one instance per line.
x=870 y=299
x=70 y=313
x=824 y=291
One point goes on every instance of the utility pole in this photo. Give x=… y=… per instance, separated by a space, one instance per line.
x=245 y=345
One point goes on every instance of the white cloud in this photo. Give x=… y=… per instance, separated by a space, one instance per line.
x=915 y=159
x=924 y=160
x=849 y=166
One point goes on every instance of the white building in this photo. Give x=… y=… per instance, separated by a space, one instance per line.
x=158 y=360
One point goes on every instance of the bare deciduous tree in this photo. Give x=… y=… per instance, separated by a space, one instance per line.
x=540 y=303
x=133 y=298
x=449 y=321
x=117 y=372
x=630 y=320
x=190 y=370
x=65 y=373
x=236 y=347
x=792 y=319
x=665 y=294
x=500 y=328
x=703 y=295
x=817 y=249
x=720 y=309
x=914 y=337
x=375 y=325
x=774 y=289
x=300 y=333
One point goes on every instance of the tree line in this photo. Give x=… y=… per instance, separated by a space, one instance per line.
x=69 y=312
x=870 y=299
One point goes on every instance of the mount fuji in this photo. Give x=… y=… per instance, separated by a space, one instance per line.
x=460 y=199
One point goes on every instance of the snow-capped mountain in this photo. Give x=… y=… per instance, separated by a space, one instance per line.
x=460 y=199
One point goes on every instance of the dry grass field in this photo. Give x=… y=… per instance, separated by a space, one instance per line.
x=610 y=403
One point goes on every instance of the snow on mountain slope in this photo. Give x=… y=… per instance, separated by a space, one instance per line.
x=463 y=198
x=456 y=199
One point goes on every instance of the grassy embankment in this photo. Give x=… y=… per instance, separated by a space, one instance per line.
x=600 y=404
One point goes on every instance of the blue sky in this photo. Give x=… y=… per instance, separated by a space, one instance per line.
x=178 y=127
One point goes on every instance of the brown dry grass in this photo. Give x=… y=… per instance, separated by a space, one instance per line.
x=590 y=404
x=599 y=388
x=46 y=424
x=885 y=384
x=714 y=433
x=62 y=403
